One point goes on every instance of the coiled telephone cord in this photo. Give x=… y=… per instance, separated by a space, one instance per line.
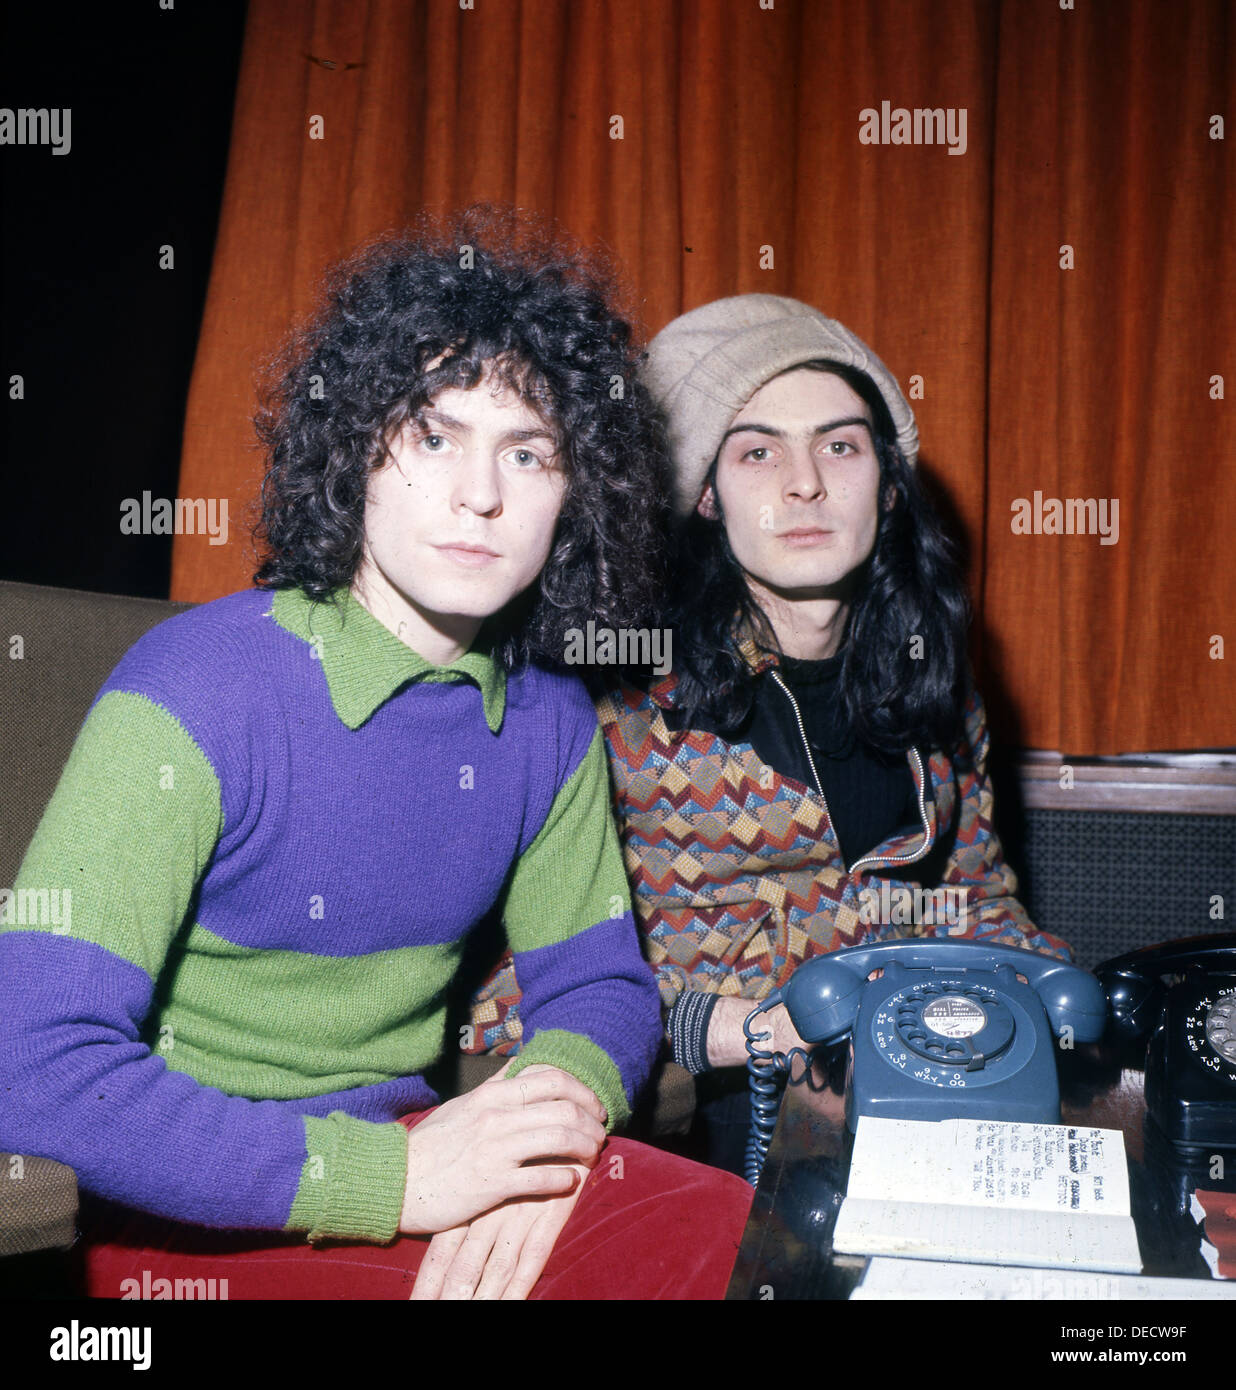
x=766 y=1085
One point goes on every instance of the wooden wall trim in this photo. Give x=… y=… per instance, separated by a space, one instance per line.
x=1191 y=784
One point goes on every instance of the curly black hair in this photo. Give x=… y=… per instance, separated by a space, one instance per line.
x=910 y=586
x=495 y=290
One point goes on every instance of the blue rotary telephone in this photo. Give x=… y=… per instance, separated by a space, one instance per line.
x=948 y=1031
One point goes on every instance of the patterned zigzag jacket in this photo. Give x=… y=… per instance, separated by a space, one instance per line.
x=736 y=870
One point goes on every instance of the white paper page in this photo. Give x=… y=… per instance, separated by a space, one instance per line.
x=989 y=1191
x=899 y=1279
x=991 y=1163
x=988 y=1235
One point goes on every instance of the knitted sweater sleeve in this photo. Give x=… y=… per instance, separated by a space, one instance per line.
x=590 y=1002
x=124 y=842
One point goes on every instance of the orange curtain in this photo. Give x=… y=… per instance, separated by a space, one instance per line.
x=1059 y=299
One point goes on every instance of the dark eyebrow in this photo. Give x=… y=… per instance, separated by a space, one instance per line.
x=516 y=435
x=512 y=436
x=428 y=414
x=819 y=429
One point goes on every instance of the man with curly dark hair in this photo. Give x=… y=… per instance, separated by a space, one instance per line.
x=288 y=808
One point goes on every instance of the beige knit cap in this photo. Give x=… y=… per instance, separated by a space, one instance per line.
x=706 y=365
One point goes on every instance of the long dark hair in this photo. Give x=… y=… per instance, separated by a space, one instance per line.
x=494 y=290
x=910 y=587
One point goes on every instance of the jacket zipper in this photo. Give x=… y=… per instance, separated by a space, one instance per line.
x=922 y=810
x=922 y=788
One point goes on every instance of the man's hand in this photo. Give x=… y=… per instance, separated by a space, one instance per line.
x=727 y=1044
x=489 y=1147
x=498 y=1255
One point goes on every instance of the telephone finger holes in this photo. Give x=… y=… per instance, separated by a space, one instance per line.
x=1220 y=1029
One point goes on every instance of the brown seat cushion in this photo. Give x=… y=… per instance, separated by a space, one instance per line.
x=70 y=641
x=38 y=1204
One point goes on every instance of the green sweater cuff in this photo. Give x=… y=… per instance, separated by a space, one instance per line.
x=352 y=1184
x=572 y=1052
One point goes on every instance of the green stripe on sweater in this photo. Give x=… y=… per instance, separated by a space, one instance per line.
x=137 y=803
x=275 y=1025
x=564 y=883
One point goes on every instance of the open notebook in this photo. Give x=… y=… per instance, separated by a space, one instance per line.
x=989 y=1191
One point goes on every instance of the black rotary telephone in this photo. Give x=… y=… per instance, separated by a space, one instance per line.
x=1191 y=1023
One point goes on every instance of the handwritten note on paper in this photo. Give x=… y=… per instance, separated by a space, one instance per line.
x=991 y=1163
x=989 y=1190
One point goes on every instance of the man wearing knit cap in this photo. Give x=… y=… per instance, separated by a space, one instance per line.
x=815 y=765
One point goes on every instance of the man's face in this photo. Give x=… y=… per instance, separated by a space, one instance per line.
x=462 y=517
x=798 y=481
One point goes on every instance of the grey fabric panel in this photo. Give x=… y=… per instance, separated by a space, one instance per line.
x=72 y=641
x=1111 y=881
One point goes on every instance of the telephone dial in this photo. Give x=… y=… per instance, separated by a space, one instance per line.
x=1191 y=1054
x=948 y=1031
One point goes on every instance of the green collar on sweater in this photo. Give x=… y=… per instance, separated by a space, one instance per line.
x=365 y=663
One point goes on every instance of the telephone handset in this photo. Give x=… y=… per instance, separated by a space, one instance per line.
x=1191 y=1055
x=948 y=1031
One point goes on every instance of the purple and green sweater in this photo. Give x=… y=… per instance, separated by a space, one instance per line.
x=278 y=825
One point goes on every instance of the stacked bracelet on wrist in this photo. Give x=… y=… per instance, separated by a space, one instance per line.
x=688 y=1030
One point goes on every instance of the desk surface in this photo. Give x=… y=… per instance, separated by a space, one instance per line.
x=787 y=1252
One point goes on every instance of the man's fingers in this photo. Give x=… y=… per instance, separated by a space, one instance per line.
x=503 y=1253
x=565 y=1112
x=554 y=1141
x=476 y=1151
x=548 y=1221
x=442 y=1250
x=509 y=1239
x=539 y=1083
x=543 y=1180
x=544 y=1141
x=550 y=1122
x=470 y=1260
x=537 y=1248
